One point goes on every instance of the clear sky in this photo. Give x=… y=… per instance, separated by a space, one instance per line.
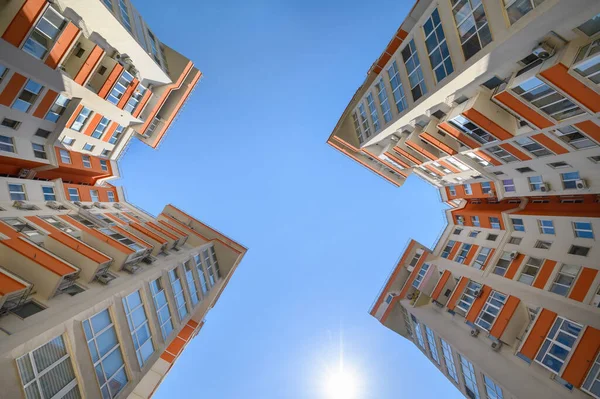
x=248 y=156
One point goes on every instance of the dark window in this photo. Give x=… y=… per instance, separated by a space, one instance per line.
x=28 y=309
x=43 y=133
x=577 y=250
x=492 y=237
x=460 y=99
x=101 y=70
x=525 y=170
x=10 y=123
x=493 y=83
x=80 y=53
x=439 y=114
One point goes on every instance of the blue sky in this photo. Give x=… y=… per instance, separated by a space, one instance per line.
x=248 y=156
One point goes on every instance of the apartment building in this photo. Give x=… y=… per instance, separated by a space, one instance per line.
x=494 y=102
x=97 y=297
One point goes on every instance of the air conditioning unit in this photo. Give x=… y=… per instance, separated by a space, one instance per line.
x=581 y=184
x=55 y=205
x=496 y=345
x=545 y=187
x=105 y=278
x=98 y=205
x=131 y=267
x=24 y=205
x=474 y=332
x=543 y=51
x=118 y=206
x=491 y=193
x=23 y=173
x=394 y=138
x=477 y=293
x=513 y=255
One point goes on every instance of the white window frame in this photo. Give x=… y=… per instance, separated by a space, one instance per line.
x=530 y=269
x=592 y=377
x=133 y=329
x=482 y=257
x=565 y=278
x=469 y=376
x=545 y=228
x=178 y=293
x=467 y=297
x=449 y=360
x=561 y=325
x=491 y=309
x=17 y=194
x=166 y=325
x=432 y=344
x=50 y=195
x=422 y=271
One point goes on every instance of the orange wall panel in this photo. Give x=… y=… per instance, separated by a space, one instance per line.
x=538 y=333
x=109 y=131
x=583 y=284
x=514 y=266
x=45 y=104
x=412 y=277
x=471 y=255
x=544 y=274
x=504 y=317
x=23 y=21
x=478 y=304
x=583 y=357
x=457 y=134
x=487 y=124
x=128 y=92
x=407 y=155
x=488 y=158
x=421 y=150
x=110 y=81
x=559 y=76
x=458 y=291
x=88 y=66
x=590 y=128
x=437 y=143
x=9 y=285
x=62 y=45
x=440 y=285
x=515 y=151
x=92 y=124
x=74 y=116
x=549 y=143
x=523 y=110
x=12 y=89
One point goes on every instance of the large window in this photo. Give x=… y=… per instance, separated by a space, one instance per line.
x=361 y=138
x=535 y=183
x=502 y=154
x=373 y=112
x=558 y=344
x=449 y=360
x=106 y=354
x=21 y=226
x=494 y=222
x=420 y=275
x=432 y=344
x=587 y=62
x=564 y=279
x=435 y=41
x=397 y=88
x=491 y=309
x=135 y=99
x=502 y=264
x=123 y=240
x=517 y=224
x=178 y=293
x=162 y=307
x=116 y=135
x=83 y=116
x=191 y=282
x=448 y=249
x=418 y=332
x=95 y=196
x=47 y=372
x=575 y=138
x=28 y=95
x=516 y=9
x=44 y=34
x=364 y=122
x=125 y=15
x=569 y=180
x=469 y=378
x=482 y=257
x=535 y=148
x=58 y=108
x=7 y=144
x=49 y=194
x=462 y=253
x=531 y=269
x=138 y=326
x=592 y=382
x=384 y=104
x=472 y=130
x=101 y=127
x=492 y=390
x=546 y=226
x=203 y=281
x=467 y=298
x=548 y=100
x=583 y=230
x=17 y=192
x=212 y=265
x=119 y=88
x=472 y=26
x=413 y=69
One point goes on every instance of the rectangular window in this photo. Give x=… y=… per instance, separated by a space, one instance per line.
x=66 y=140
x=475 y=221
x=48 y=193
x=462 y=253
x=122 y=239
x=65 y=156
x=88 y=147
x=559 y=165
x=120 y=87
x=509 y=185
x=162 y=307
x=469 y=378
x=39 y=151
x=492 y=237
x=420 y=275
x=105 y=350
x=45 y=33
x=104 y=165
x=178 y=293
x=116 y=135
x=492 y=390
x=154 y=47
x=435 y=41
x=481 y=258
x=491 y=310
x=135 y=98
x=373 y=112
x=359 y=134
x=449 y=360
x=569 y=180
x=587 y=62
x=471 y=23
x=48 y=370
x=558 y=344
x=540 y=244
x=413 y=69
x=502 y=264
x=94 y=195
x=418 y=332
x=432 y=344
x=3 y=72
x=564 y=279
x=58 y=224
x=574 y=138
x=364 y=121
x=191 y=282
x=81 y=119
x=384 y=104
x=535 y=148
x=448 y=249
x=58 y=108
x=579 y=250
x=546 y=99
x=517 y=224
x=535 y=183
x=73 y=194
x=28 y=95
x=486 y=187
x=87 y=161
x=138 y=326
x=415 y=259
x=494 y=222
x=546 y=226
x=452 y=190
x=517 y=9
x=7 y=144
x=100 y=128
x=592 y=381
x=203 y=282
x=472 y=130
x=502 y=154
x=17 y=192
x=531 y=269
x=43 y=133
x=111 y=196
x=397 y=88
x=11 y=124
x=22 y=227
x=125 y=15
x=467 y=298
x=468 y=189
x=212 y=266
x=583 y=230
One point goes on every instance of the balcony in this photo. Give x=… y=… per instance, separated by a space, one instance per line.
x=439 y=139
x=422 y=147
x=13 y=291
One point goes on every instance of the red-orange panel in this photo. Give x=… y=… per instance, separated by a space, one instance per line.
x=460 y=287
x=45 y=104
x=23 y=21
x=128 y=92
x=549 y=143
x=544 y=274
x=583 y=284
x=93 y=124
x=62 y=45
x=12 y=89
x=478 y=304
x=516 y=152
x=590 y=128
x=504 y=317
x=514 y=266
x=538 y=333
x=110 y=81
x=9 y=285
x=559 y=76
x=521 y=109
x=471 y=255
x=583 y=357
x=487 y=124
x=440 y=284
x=74 y=116
x=90 y=63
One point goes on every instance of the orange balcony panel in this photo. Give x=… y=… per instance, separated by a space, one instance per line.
x=88 y=66
x=186 y=333
x=115 y=218
x=397 y=160
x=507 y=312
x=454 y=250
x=583 y=284
x=449 y=166
x=488 y=158
x=8 y=285
x=71 y=241
x=434 y=170
x=538 y=333
x=559 y=76
x=135 y=238
x=23 y=21
x=457 y=134
x=389 y=165
x=110 y=81
x=437 y=143
x=458 y=291
x=176 y=346
x=128 y=92
x=98 y=235
x=74 y=116
x=185 y=228
x=62 y=45
x=487 y=124
x=75 y=171
x=590 y=128
x=544 y=274
x=415 y=146
x=12 y=89
x=549 y=143
x=147 y=232
x=514 y=266
x=45 y=104
x=407 y=155
x=193 y=324
x=516 y=152
x=11 y=166
x=523 y=110
x=142 y=103
x=478 y=304
x=412 y=277
x=168 y=357
x=440 y=284
x=583 y=357
x=173 y=228
x=471 y=254
x=93 y=124
x=109 y=131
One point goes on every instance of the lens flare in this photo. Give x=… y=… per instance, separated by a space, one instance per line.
x=341 y=385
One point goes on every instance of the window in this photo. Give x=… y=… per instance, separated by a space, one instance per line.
x=467 y=298
x=531 y=269
x=494 y=222
x=535 y=183
x=418 y=332
x=413 y=69
x=58 y=224
x=82 y=117
x=420 y=275
x=17 y=192
x=574 y=138
x=120 y=87
x=189 y=276
x=88 y=147
x=3 y=72
x=474 y=233
x=154 y=47
x=432 y=344
x=468 y=189
x=384 y=104
x=373 y=112
x=546 y=99
x=449 y=360
x=48 y=370
x=478 y=159
x=525 y=170
x=203 y=282
x=43 y=133
x=518 y=224
x=469 y=378
x=475 y=221
x=361 y=138
x=535 y=148
x=435 y=41
x=592 y=382
x=462 y=253
x=28 y=95
x=546 y=226
x=595 y=159
x=125 y=15
x=7 y=144
x=106 y=354
x=39 y=151
x=101 y=127
x=540 y=244
x=564 y=279
x=44 y=34
x=502 y=264
x=492 y=390
x=178 y=293
x=87 y=161
x=492 y=237
x=122 y=239
x=162 y=307
x=11 y=124
x=591 y=26
x=558 y=344
x=452 y=190
x=472 y=26
x=65 y=156
x=502 y=154
x=116 y=135
x=27 y=309
x=212 y=266
x=578 y=250
x=416 y=258
x=491 y=310
x=587 y=61
x=583 y=230
x=111 y=196
x=569 y=180
x=472 y=130
x=48 y=193
x=94 y=195
x=364 y=122
x=138 y=326
x=22 y=227
x=481 y=258
x=135 y=98
x=559 y=165
x=73 y=194
x=105 y=153
x=104 y=165
x=66 y=140
x=486 y=187
x=58 y=108
x=516 y=9
x=448 y=248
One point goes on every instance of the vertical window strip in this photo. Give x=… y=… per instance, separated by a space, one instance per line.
x=418 y=332
x=384 y=104
x=547 y=99
x=397 y=88
x=182 y=310
x=125 y=15
x=558 y=344
x=437 y=48
x=472 y=25
x=449 y=360
x=203 y=281
x=492 y=390
x=364 y=121
x=467 y=298
x=469 y=378
x=138 y=326
x=191 y=282
x=490 y=311
x=413 y=68
x=162 y=307
x=432 y=344
x=373 y=112
x=420 y=275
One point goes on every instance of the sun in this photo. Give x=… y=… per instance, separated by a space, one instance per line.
x=341 y=384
